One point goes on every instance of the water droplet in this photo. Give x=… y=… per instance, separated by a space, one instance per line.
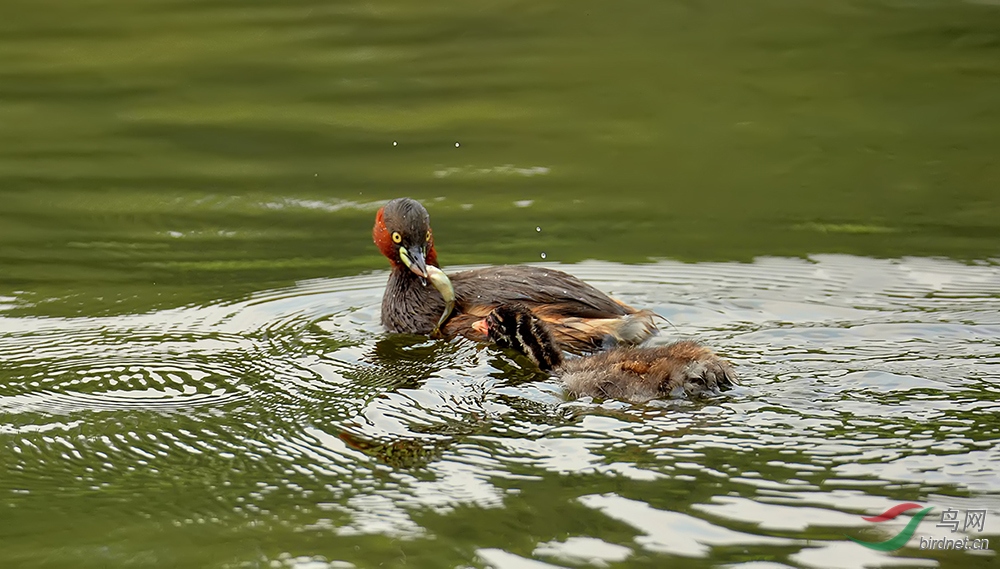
x=543 y=255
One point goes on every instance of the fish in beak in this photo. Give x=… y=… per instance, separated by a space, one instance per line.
x=443 y=284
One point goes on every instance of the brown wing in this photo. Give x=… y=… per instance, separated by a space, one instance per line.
x=580 y=317
x=562 y=295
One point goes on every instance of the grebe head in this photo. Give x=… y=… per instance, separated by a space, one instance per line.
x=402 y=233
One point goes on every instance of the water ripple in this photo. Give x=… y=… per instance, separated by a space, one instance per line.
x=865 y=383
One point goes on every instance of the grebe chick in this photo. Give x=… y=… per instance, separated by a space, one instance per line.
x=683 y=368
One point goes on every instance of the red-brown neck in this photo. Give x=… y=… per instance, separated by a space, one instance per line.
x=432 y=255
x=383 y=240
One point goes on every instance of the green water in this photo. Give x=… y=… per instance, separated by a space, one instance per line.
x=189 y=313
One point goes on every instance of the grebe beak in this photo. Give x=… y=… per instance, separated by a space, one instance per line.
x=414 y=260
x=482 y=327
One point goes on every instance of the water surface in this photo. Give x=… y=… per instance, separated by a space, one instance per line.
x=214 y=435
x=192 y=373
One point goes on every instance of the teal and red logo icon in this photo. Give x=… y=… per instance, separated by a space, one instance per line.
x=903 y=536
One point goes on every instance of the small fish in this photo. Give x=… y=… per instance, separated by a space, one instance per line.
x=443 y=284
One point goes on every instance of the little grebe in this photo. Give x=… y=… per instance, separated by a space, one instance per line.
x=580 y=317
x=627 y=374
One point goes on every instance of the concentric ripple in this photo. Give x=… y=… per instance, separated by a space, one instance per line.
x=286 y=429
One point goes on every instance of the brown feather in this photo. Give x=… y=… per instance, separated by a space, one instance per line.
x=641 y=374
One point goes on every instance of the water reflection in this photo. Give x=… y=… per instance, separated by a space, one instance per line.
x=289 y=420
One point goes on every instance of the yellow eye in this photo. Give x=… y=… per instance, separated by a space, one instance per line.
x=428 y=238
x=396 y=237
